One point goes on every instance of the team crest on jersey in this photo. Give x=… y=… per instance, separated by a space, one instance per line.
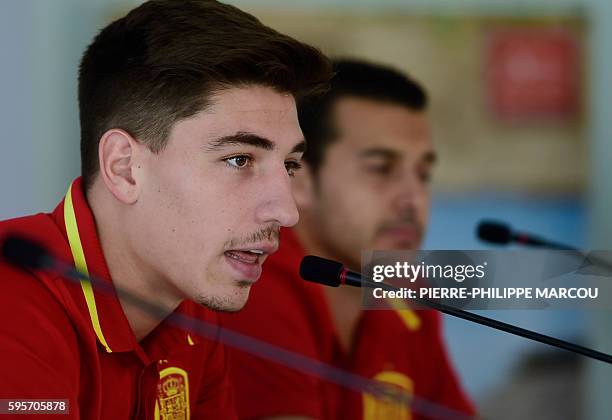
x=172 y=401
x=382 y=409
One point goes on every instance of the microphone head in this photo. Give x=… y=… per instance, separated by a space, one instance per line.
x=495 y=232
x=25 y=253
x=321 y=270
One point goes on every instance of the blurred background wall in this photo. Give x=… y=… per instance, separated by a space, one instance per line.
x=539 y=160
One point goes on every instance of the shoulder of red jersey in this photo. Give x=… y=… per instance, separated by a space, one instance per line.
x=39 y=228
x=36 y=331
x=42 y=287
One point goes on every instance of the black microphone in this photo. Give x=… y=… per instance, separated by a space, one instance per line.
x=327 y=272
x=501 y=233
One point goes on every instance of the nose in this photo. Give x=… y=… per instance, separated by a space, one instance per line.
x=409 y=192
x=277 y=205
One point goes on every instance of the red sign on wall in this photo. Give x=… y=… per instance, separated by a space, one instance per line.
x=533 y=74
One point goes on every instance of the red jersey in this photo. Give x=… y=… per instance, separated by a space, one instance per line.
x=64 y=340
x=403 y=348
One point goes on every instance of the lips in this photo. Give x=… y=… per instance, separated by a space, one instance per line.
x=244 y=256
x=246 y=262
x=405 y=234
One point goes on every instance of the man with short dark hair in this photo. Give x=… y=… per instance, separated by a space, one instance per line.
x=190 y=137
x=365 y=186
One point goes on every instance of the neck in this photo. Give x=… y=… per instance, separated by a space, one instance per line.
x=308 y=233
x=129 y=273
x=344 y=302
x=308 y=237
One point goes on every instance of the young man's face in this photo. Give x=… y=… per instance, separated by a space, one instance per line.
x=214 y=199
x=372 y=190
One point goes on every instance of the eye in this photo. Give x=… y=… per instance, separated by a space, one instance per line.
x=292 y=166
x=238 y=162
x=379 y=169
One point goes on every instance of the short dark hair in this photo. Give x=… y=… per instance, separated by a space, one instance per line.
x=357 y=79
x=163 y=61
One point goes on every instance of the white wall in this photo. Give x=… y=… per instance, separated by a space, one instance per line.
x=41 y=42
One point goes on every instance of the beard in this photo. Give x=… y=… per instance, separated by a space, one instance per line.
x=227 y=303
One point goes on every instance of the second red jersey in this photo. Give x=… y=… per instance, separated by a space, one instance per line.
x=402 y=348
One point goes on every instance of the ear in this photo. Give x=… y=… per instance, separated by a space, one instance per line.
x=303 y=187
x=119 y=157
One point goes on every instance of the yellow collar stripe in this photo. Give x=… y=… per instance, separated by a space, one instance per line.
x=410 y=319
x=78 y=255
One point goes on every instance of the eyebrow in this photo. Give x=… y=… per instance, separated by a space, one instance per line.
x=242 y=138
x=430 y=157
x=379 y=152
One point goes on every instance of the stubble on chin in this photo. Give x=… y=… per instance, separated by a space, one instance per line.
x=226 y=303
